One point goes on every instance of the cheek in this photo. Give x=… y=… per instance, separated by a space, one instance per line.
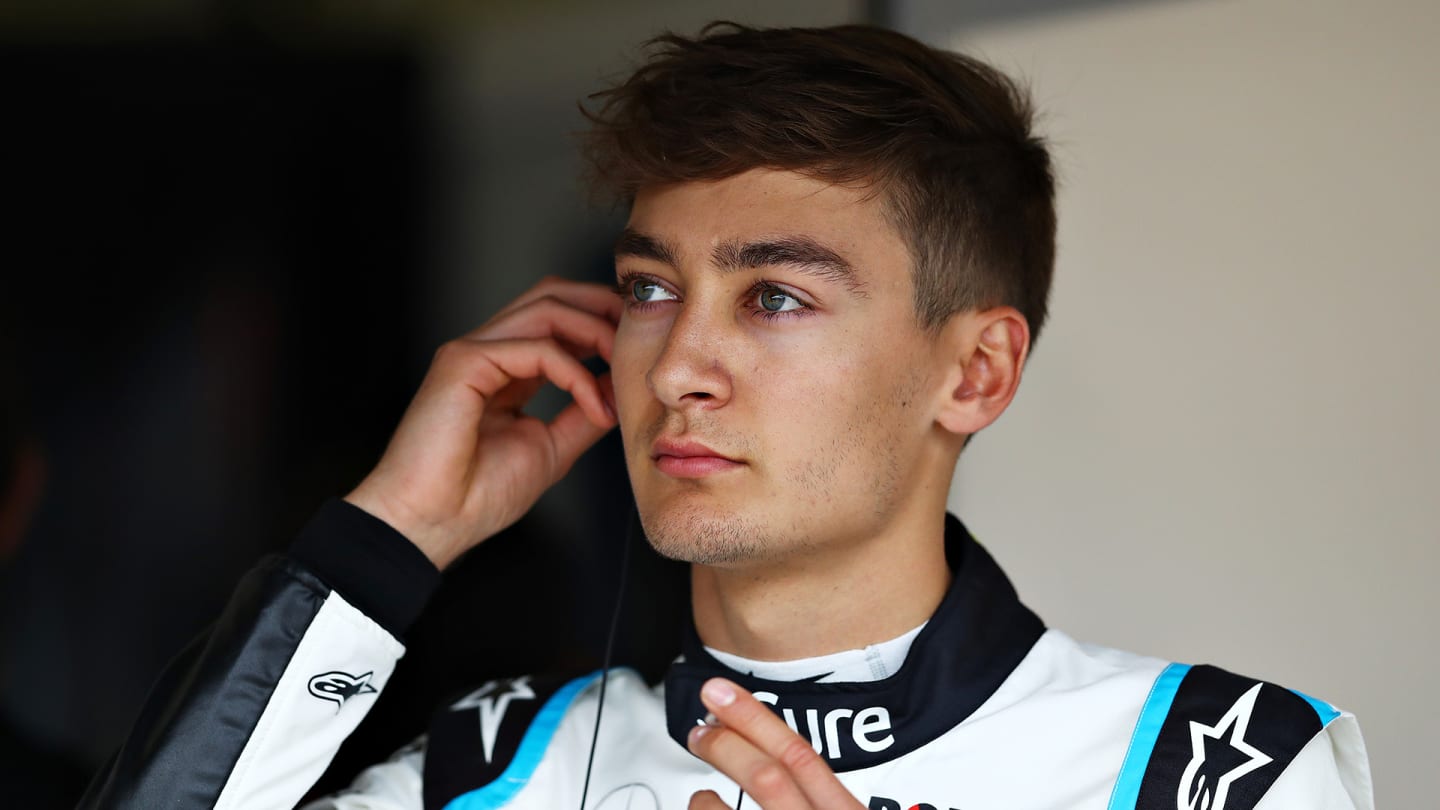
x=633 y=354
x=868 y=394
x=808 y=398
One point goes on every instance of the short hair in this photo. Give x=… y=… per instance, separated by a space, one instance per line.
x=945 y=138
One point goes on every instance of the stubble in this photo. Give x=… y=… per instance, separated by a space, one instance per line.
x=867 y=442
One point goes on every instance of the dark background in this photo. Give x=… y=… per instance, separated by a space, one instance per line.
x=211 y=325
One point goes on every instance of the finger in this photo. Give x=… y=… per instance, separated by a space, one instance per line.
x=571 y=434
x=513 y=397
x=551 y=317
x=707 y=800
x=599 y=299
x=760 y=775
x=607 y=390
x=741 y=713
x=486 y=367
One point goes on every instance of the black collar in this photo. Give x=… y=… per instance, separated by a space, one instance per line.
x=976 y=638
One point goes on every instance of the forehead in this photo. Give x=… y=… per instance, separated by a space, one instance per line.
x=696 y=217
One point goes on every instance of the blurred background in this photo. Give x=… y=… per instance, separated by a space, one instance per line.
x=238 y=230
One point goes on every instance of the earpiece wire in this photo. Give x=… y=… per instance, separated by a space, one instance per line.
x=609 y=652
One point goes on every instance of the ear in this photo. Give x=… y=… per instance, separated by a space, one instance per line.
x=988 y=351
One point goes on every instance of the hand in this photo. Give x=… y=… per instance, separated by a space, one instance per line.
x=770 y=762
x=465 y=462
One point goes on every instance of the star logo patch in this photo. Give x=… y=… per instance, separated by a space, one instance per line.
x=490 y=701
x=1219 y=756
x=338 y=687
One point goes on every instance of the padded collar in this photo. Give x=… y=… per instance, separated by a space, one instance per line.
x=976 y=638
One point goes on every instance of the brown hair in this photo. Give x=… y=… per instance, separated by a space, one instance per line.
x=946 y=138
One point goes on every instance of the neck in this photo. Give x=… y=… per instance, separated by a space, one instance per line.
x=833 y=600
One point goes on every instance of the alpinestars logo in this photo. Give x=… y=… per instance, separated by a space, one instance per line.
x=491 y=701
x=1219 y=756
x=338 y=687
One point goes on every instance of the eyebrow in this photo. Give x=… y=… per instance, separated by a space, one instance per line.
x=800 y=253
x=636 y=245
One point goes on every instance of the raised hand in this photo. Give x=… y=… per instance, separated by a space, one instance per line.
x=775 y=767
x=465 y=462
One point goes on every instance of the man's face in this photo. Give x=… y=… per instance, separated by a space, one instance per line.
x=774 y=388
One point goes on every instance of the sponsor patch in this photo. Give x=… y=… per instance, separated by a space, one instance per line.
x=476 y=735
x=338 y=687
x=1225 y=741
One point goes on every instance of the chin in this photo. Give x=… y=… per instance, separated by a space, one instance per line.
x=696 y=534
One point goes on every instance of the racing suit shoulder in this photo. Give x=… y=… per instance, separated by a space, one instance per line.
x=524 y=743
x=1209 y=738
x=251 y=713
x=1330 y=773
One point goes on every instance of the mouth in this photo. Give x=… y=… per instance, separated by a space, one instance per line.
x=690 y=459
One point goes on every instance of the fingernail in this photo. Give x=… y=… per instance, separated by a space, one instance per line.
x=718 y=692
x=697 y=732
x=710 y=719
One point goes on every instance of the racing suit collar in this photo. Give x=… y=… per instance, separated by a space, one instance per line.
x=978 y=635
x=870 y=663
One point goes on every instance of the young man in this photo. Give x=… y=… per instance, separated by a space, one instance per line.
x=837 y=259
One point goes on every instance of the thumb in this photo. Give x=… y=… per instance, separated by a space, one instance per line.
x=707 y=800
x=572 y=433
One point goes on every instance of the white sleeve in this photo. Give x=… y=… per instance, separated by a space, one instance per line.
x=1332 y=772
x=300 y=729
x=253 y=711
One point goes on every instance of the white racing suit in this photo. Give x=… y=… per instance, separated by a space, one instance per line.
x=990 y=711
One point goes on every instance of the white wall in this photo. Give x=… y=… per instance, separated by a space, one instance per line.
x=1226 y=447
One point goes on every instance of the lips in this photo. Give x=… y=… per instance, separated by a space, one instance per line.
x=681 y=458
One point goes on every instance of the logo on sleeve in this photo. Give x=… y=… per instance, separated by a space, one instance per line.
x=490 y=701
x=338 y=687
x=1219 y=756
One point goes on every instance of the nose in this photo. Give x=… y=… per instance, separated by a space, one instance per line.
x=690 y=372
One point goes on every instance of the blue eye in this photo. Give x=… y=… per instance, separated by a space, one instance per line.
x=774 y=299
x=645 y=290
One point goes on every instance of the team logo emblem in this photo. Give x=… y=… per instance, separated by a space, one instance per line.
x=490 y=701
x=1219 y=756
x=338 y=687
